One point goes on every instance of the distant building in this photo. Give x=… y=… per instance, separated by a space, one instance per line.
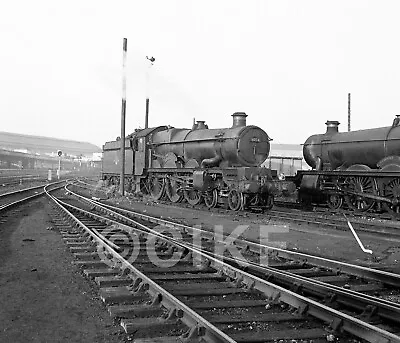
x=286 y=159
x=39 y=145
x=18 y=151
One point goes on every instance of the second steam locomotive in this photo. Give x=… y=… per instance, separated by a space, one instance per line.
x=214 y=165
x=358 y=168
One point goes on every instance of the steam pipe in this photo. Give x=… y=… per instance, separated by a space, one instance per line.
x=211 y=162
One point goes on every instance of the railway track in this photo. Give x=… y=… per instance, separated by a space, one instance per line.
x=17 y=180
x=366 y=223
x=9 y=177
x=10 y=199
x=387 y=228
x=325 y=210
x=270 y=302
x=251 y=245
x=252 y=250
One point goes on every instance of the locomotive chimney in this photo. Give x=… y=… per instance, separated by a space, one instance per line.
x=239 y=119
x=332 y=126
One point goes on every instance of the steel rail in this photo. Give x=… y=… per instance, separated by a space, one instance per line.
x=385 y=277
x=303 y=304
x=322 y=212
x=320 y=215
x=189 y=317
x=27 y=189
x=390 y=225
x=393 y=232
x=386 y=309
x=20 y=201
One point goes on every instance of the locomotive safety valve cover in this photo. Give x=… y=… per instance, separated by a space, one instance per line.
x=201 y=180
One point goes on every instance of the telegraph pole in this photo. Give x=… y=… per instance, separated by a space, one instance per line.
x=123 y=111
x=348 y=112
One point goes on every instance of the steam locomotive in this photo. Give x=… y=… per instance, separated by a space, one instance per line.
x=217 y=166
x=358 y=168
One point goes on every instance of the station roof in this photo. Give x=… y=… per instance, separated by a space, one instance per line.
x=45 y=145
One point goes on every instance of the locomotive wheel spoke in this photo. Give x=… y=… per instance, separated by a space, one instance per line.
x=211 y=198
x=335 y=201
x=157 y=187
x=235 y=200
x=392 y=191
x=193 y=197
x=255 y=200
x=172 y=190
x=360 y=184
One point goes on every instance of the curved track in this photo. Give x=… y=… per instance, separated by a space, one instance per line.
x=10 y=199
x=289 y=287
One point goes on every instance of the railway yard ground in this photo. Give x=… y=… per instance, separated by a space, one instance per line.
x=45 y=297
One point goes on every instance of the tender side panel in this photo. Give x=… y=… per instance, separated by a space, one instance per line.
x=112 y=157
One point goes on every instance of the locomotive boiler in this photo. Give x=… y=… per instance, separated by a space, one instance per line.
x=237 y=146
x=361 y=167
x=219 y=166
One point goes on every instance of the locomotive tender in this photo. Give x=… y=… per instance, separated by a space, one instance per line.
x=214 y=165
x=360 y=168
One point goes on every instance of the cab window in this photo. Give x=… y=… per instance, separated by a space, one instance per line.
x=141 y=144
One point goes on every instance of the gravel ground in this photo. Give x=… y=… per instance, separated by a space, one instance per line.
x=44 y=297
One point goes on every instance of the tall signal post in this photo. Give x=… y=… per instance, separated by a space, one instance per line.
x=59 y=154
x=123 y=111
x=151 y=63
x=348 y=112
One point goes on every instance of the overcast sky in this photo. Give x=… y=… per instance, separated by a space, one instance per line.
x=288 y=64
